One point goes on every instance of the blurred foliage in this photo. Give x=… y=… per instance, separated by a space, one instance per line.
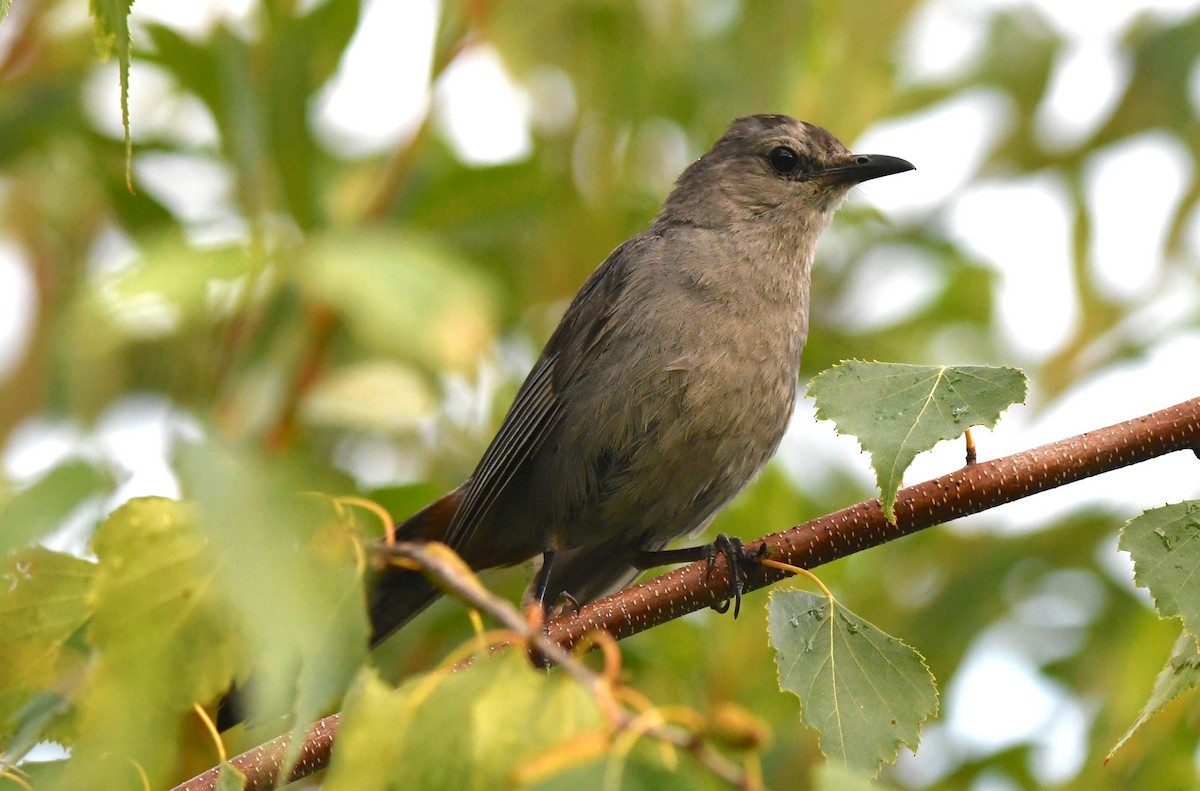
x=455 y=729
x=312 y=320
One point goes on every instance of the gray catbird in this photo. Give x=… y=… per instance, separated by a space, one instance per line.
x=666 y=386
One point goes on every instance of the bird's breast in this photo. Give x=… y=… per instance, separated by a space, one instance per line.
x=685 y=402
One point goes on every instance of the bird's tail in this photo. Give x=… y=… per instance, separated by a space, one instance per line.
x=399 y=595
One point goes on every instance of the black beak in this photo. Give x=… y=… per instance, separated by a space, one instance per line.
x=865 y=167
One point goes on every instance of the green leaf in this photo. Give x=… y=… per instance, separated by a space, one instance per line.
x=163 y=641
x=646 y=767
x=35 y=774
x=897 y=411
x=41 y=508
x=43 y=717
x=468 y=729
x=288 y=567
x=42 y=605
x=154 y=597
x=1165 y=546
x=1180 y=674
x=110 y=20
x=864 y=691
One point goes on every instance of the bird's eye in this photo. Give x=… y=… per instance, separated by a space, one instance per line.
x=783 y=160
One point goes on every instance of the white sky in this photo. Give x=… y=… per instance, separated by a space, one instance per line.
x=1020 y=226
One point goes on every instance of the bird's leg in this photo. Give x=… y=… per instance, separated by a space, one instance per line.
x=566 y=602
x=736 y=557
x=536 y=615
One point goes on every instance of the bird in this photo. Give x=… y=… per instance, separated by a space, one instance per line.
x=664 y=390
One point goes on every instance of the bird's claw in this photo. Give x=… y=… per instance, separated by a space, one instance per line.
x=736 y=558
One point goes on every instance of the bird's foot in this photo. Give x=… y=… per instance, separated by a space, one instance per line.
x=738 y=559
x=566 y=604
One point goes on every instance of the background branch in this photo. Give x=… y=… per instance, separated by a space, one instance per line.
x=969 y=490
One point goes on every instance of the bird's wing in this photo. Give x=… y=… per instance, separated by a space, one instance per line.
x=539 y=404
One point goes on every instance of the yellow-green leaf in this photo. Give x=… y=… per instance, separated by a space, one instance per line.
x=110 y=19
x=469 y=729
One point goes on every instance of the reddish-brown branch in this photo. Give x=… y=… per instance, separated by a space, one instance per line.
x=262 y=764
x=969 y=490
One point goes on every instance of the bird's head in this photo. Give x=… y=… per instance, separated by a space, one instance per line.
x=771 y=167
